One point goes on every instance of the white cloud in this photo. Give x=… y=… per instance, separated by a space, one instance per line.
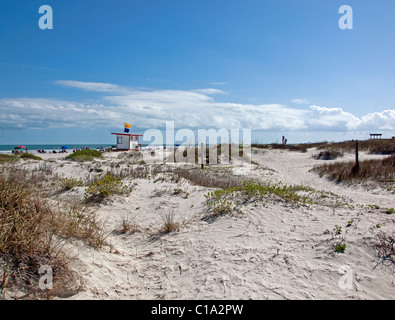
x=91 y=86
x=187 y=108
x=300 y=101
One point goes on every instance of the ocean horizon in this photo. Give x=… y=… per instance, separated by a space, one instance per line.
x=7 y=148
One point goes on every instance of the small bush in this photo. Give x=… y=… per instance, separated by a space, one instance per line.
x=85 y=155
x=29 y=156
x=69 y=183
x=106 y=187
x=385 y=246
x=328 y=154
x=6 y=158
x=340 y=247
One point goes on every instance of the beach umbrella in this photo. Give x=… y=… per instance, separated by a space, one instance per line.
x=65 y=147
x=18 y=147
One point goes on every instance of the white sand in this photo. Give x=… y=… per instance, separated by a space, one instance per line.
x=272 y=251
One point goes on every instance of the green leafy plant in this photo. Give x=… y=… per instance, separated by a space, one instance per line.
x=29 y=156
x=4 y=158
x=105 y=187
x=340 y=247
x=69 y=183
x=85 y=155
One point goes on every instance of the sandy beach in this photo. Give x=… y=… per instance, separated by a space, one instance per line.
x=268 y=249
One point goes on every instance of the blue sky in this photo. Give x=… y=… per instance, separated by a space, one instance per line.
x=278 y=67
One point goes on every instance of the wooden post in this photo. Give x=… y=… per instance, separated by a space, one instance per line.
x=202 y=155
x=356 y=156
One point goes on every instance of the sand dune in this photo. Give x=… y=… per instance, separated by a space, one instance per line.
x=266 y=250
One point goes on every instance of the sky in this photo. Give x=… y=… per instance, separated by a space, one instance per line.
x=276 y=67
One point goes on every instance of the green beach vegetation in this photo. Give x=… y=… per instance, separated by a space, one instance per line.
x=85 y=155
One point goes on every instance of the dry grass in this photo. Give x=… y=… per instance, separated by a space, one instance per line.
x=33 y=231
x=129 y=225
x=213 y=154
x=384 y=146
x=210 y=178
x=328 y=154
x=386 y=247
x=168 y=223
x=377 y=170
x=277 y=146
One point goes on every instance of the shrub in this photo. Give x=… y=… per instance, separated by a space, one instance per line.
x=85 y=155
x=6 y=158
x=69 y=183
x=385 y=246
x=340 y=247
x=106 y=186
x=29 y=156
x=328 y=154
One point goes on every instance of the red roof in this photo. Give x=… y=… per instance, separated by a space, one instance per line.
x=127 y=134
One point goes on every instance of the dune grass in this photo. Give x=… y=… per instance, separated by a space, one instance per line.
x=29 y=156
x=277 y=146
x=105 y=187
x=380 y=170
x=85 y=155
x=8 y=158
x=382 y=146
x=328 y=154
x=33 y=230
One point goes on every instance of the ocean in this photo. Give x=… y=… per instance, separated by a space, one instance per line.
x=50 y=147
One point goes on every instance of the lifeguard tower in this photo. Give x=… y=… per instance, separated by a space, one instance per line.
x=128 y=142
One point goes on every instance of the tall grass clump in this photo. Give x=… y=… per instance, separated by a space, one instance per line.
x=168 y=223
x=85 y=155
x=380 y=170
x=32 y=233
x=26 y=236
